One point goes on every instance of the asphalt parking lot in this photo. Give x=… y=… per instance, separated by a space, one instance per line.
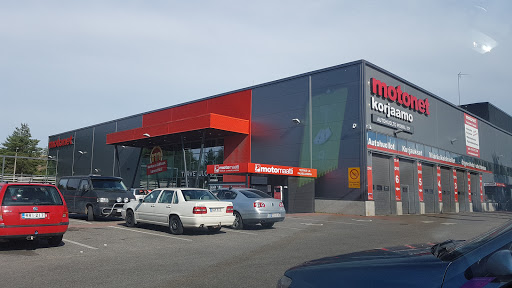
x=106 y=253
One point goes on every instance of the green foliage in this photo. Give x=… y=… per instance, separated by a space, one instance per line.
x=20 y=143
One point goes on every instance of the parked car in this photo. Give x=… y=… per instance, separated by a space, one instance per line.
x=95 y=196
x=252 y=207
x=485 y=261
x=31 y=211
x=139 y=193
x=180 y=208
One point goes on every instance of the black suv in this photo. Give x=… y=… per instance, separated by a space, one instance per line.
x=95 y=196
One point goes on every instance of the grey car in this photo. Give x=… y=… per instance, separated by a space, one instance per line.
x=251 y=207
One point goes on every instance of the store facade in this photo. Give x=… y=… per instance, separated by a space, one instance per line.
x=377 y=143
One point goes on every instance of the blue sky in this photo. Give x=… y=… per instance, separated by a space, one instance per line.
x=69 y=64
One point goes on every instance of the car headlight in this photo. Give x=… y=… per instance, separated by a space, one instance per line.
x=119 y=199
x=103 y=200
x=284 y=282
x=126 y=199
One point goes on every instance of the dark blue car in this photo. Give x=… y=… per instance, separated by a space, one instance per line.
x=485 y=261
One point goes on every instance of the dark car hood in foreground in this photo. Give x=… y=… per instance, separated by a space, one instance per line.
x=404 y=266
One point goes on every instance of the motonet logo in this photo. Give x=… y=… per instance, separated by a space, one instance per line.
x=395 y=94
x=273 y=170
x=61 y=142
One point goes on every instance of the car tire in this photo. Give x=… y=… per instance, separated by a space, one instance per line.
x=90 y=213
x=175 y=225
x=238 y=224
x=267 y=225
x=55 y=241
x=130 y=218
x=213 y=229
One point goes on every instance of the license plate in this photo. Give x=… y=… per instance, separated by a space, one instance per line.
x=215 y=209
x=33 y=215
x=273 y=215
x=119 y=210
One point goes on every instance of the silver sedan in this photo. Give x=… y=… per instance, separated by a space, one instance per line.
x=252 y=207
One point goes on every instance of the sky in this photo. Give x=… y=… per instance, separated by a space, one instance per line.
x=67 y=64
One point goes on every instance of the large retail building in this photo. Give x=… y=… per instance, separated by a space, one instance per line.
x=352 y=139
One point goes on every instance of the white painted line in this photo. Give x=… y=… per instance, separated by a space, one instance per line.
x=79 y=244
x=312 y=224
x=248 y=233
x=279 y=227
x=80 y=221
x=427 y=221
x=363 y=220
x=336 y=222
x=448 y=223
x=149 y=233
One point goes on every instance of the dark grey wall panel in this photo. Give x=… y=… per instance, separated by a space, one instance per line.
x=103 y=154
x=83 y=151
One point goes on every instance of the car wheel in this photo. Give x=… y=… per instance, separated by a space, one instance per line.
x=238 y=223
x=267 y=225
x=175 y=225
x=130 y=218
x=55 y=240
x=214 y=229
x=90 y=213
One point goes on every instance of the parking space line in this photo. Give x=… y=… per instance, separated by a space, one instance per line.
x=328 y=221
x=249 y=233
x=149 y=233
x=80 y=244
x=79 y=221
x=288 y=228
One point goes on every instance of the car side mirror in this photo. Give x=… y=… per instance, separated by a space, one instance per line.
x=85 y=188
x=140 y=200
x=499 y=264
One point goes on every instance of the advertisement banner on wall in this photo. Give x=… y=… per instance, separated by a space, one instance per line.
x=369 y=176
x=398 y=192
x=469 y=187
x=472 y=138
x=455 y=188
x=420 y=182
x=439 y=187
x=157 y=164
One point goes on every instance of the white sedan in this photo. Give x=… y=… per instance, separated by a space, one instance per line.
x=180 y=208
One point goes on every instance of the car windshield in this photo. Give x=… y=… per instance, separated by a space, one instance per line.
x=253 y=193
x=193 y=195
x=19 y=195
x=108 y=184
x=455 y=249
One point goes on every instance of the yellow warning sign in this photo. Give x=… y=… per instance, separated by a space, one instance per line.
x=354 y=177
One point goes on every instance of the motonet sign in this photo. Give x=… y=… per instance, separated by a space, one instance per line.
x=394 y=94
x=255 y=168
x=61 y=142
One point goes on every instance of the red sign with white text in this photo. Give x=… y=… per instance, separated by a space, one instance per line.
x=61 y=142
x=157 y=164
x=420 y=182
x=472 y=138
x=455 y=188
x=236 y=168
x=469 y=187
x=481 y=189
x=370 y=182
x=398 y=192
x=439 y=187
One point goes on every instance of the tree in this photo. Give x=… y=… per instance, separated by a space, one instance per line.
x=20 y=142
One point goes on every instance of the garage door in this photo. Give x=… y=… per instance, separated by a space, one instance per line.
x=382 y=185
x=462 y=183
x=475 y=192
x=446 y=186
x=410 y=199
x=429 y=197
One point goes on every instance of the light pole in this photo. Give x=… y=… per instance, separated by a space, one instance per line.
x=458 y=83
x=15 y=158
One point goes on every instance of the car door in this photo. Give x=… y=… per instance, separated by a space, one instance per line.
x=163 y=207
x=145 y=211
